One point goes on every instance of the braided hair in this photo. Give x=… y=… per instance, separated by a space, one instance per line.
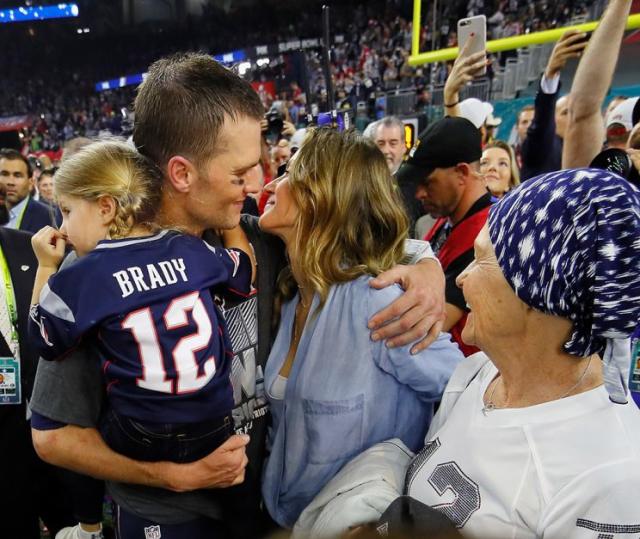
x=114 y=168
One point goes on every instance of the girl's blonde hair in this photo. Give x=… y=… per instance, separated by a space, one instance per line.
x=113 y=168
x=351 y=219
x=514 y=181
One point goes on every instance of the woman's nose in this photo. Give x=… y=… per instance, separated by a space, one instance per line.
x=271 y=186
x=463 y=275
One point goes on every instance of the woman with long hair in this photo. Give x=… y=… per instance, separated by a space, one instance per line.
x=499 y=168
x=333 y=391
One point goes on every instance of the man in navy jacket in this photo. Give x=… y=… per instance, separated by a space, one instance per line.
x=25 y=213
x=542 y=148
x=33 y=489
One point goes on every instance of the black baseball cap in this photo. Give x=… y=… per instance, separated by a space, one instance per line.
x=445 y=144
x=408 y=517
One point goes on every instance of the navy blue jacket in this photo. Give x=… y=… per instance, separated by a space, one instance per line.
x=542 y=149
x=37 y=215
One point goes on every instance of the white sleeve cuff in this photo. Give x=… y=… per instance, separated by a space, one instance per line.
x=550 y=86
x=417 y=250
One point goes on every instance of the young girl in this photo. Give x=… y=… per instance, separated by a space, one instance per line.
x=499 y=168
x=143 y=295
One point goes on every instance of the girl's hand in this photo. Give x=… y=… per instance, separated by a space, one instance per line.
x=48 y=245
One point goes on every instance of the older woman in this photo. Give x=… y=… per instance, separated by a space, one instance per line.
x=334 y=392
x=535 y=437
x=499 y=168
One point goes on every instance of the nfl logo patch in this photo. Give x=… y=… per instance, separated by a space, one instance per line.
x=152 y=532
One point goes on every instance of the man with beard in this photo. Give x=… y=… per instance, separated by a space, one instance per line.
x=200 y=124
x=448 y=159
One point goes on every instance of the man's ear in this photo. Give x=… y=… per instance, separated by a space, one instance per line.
x=181 y=173
x=464 y=171
x=107 y=206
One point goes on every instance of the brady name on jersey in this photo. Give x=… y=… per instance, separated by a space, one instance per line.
x=148 y=304
x=163 y=273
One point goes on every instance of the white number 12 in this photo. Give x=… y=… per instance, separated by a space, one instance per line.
x=154 y=375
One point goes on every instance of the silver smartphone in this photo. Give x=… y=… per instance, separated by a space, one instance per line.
x=478 y=27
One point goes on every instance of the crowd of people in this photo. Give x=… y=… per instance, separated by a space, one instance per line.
x=55 y=85
x=241 y=332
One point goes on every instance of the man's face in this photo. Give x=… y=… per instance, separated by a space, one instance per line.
x=45 y=187
x=391 y=144
x=281 y=155
x=562 y=116
x=14 y=176
x=440 y=192
x=217 y=195
x=524 y=121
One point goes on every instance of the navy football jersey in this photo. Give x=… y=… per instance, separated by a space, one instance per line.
x=148 y=302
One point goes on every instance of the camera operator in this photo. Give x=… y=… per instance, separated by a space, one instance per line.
x=622 y=152
x=620 y=123
x=276 y=132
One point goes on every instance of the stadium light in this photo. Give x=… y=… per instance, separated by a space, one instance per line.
x=38 y=13
x=130 y=80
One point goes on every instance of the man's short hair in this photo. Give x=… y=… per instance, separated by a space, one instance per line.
x=370 y=131
x=11 y=155
x=388 y=121
x=524 y=109
x=182 y=104
x=47 y=172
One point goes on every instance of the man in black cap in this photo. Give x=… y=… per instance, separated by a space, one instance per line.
x=447 y=159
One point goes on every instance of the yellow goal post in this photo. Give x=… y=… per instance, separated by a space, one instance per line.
x=497 y=45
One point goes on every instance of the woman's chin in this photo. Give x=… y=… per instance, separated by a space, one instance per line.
x=267 y=224
x=497 y=189
x=263 y=222
x=467 y=333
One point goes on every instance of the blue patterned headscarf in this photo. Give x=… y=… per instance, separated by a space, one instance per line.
x=568 y=243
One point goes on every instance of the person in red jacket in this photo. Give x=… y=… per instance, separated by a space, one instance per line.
x=452 y=189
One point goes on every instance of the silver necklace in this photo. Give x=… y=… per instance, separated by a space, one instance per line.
x=297 y=318
x=490 y=405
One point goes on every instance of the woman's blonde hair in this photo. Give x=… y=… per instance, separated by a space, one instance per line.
x=113 y=168
x=351 y=219
x=514 y=181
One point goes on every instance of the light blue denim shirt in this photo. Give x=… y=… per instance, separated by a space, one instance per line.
x=345 y=393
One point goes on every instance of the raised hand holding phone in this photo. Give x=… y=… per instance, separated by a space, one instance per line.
x=474 y=30
x=465 y=69
x=570 y=45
